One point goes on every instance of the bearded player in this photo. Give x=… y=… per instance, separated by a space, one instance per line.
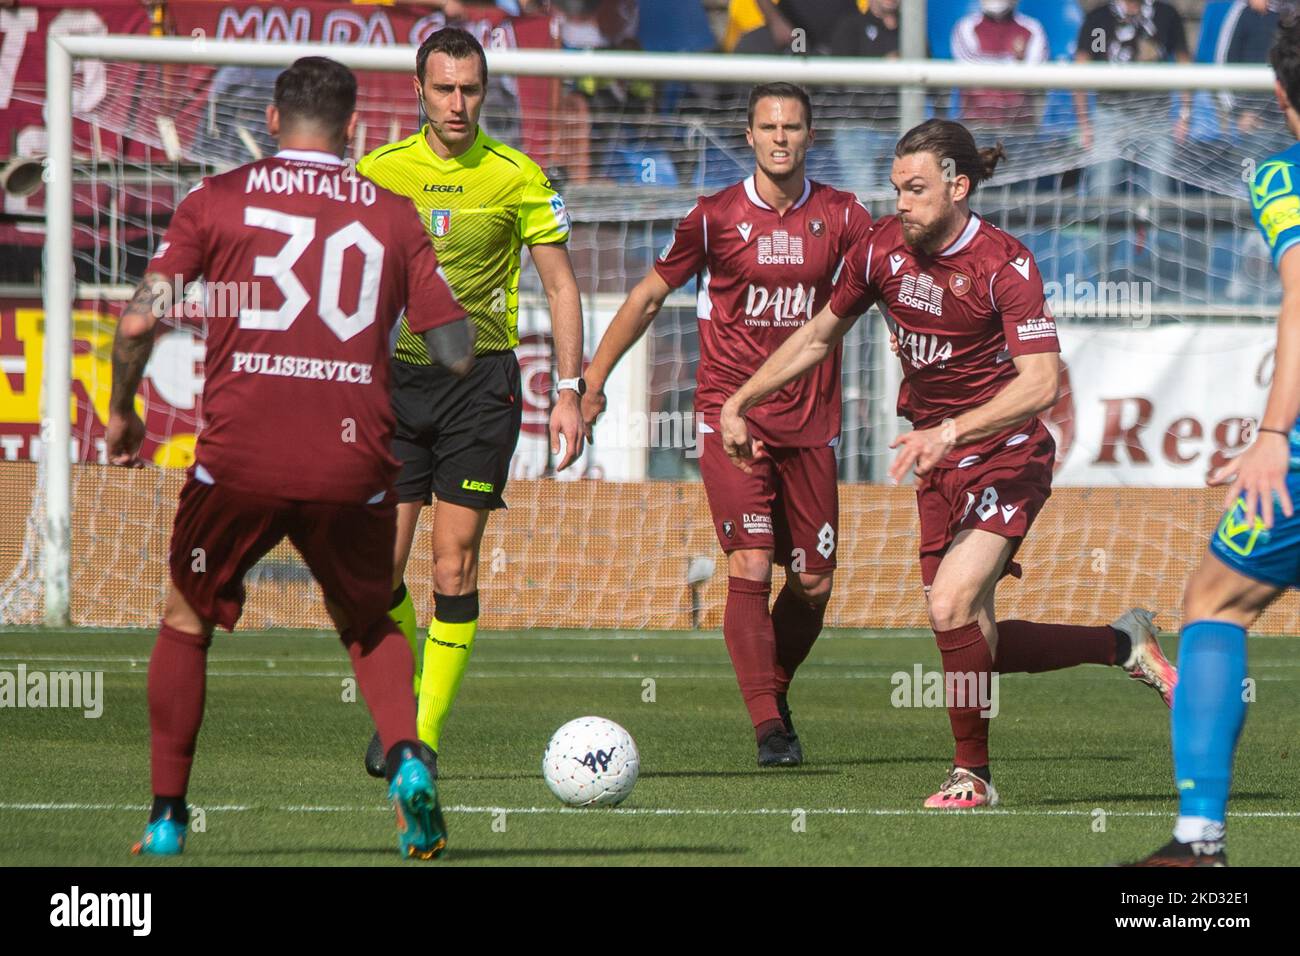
x=764 y=252
x=481 y=202
x=298 y=423
x=1254 y=554
x=980 y=361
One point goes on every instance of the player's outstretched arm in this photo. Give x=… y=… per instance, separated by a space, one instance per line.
x=556 y=272
x=1260 y=472
x=628 y=325
x=809 y=345
x=1033 y=390
x=132 y=346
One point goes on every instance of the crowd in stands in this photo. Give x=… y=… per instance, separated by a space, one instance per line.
x=1124 y=144
x=973 y=31
x=599 y=115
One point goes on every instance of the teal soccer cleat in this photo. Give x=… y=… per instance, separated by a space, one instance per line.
x=162 y=837
x=421 y=830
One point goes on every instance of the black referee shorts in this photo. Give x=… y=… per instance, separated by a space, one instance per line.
x=455 y=437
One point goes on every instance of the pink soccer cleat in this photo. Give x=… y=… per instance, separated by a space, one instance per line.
x=962 y=790
x=1147 y=662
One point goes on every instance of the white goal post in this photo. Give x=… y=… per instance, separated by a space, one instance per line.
x=63 y=52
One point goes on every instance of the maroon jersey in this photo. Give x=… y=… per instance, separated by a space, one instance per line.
x=1015 y=39
x=961 y=315
x=308 y=267
x=761 y=276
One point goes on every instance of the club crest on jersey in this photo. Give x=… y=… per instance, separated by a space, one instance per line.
x=922 y=292
x=959 y=284
x=440 y=220
x=745 y=228
x=1272 y=180
x=728 y=528
x=780 y=249
x=816 y=227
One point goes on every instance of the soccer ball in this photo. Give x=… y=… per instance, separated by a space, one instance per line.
x=590 y=762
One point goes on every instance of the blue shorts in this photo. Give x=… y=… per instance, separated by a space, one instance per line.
x=1270 y=555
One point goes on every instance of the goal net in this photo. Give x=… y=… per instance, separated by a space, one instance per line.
x=1133 y=200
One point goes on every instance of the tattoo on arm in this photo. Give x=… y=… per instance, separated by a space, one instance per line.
x=133 y=342
x=130 y=356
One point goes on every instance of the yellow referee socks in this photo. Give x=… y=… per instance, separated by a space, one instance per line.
x=446 y=655
x=403 y=614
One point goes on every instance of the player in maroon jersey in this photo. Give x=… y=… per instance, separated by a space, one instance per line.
x=764 y=253
x=298 y=422
x=979 y=352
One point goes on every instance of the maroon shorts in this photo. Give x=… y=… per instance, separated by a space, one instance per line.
x=788 y=504
x=1000 y=491
x=219 y=534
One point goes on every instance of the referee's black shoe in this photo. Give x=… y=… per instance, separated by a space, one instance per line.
x=778 y=750
x=375 y=758
x=783 y=708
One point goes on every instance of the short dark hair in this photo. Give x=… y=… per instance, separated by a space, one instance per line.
x=949 y=140
x=316 y=89
x=1285 y=56
x=456 y=43
x=782 y=91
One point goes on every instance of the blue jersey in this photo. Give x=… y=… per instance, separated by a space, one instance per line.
x=1275 y=204
x=1275 y=201
x=1271 y=555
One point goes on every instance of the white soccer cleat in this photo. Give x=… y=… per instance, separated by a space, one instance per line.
x=1147 y=662
x=962 y=790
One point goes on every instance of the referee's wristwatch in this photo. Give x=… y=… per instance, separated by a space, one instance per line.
x=578 y=385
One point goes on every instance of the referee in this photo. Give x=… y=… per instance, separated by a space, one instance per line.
x=480 y=201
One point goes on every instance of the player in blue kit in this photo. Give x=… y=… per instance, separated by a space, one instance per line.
x=1254 y=554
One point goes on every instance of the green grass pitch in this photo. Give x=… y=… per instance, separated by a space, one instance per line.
x=1081 y=758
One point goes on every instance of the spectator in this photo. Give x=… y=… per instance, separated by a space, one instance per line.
x=1246 y=37
x=999 y=34
x=864 y=145
x=777 y=34
x=594 y=109
x=743 y=16
x=1132 y=31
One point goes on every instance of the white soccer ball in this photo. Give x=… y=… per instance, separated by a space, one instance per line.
x=590 y=762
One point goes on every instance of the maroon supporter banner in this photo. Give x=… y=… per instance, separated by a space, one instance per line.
x=23 y=31
x=120 y=107
x=384 y=26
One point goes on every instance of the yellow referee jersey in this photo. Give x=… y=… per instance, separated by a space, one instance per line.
x=479 y=208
